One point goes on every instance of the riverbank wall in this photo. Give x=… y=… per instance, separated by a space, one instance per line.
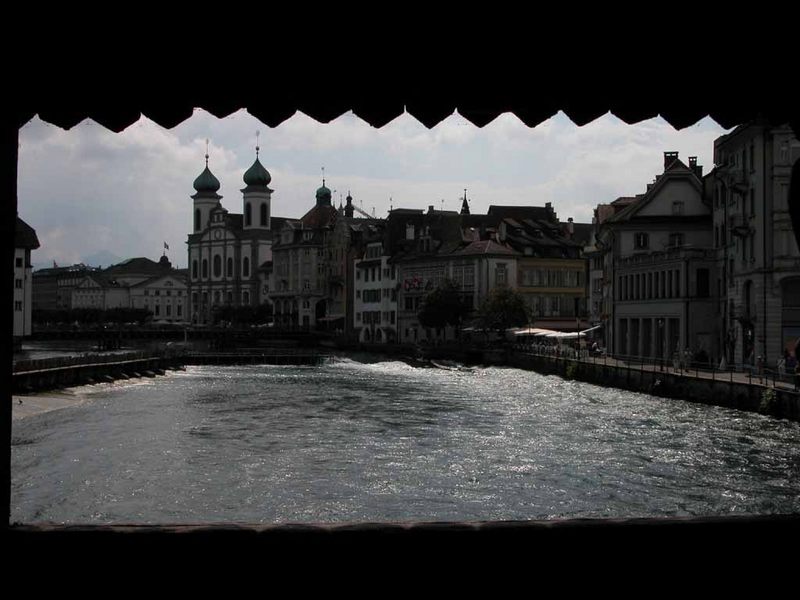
x=56 y=373
x=718 y=391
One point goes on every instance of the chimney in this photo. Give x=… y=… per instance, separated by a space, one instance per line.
x=430 y=209
x=669 y=158
x=697 y=169
x=570 y=227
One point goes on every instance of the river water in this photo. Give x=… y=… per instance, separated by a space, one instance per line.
x=384 y=441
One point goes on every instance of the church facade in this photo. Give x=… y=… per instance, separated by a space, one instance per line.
x=227 y=251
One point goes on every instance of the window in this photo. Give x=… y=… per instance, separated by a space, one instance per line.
x=157 y=293
x=18 y=262
x=18 y=305
x=248 y=215
x=205 y=268
x=677 y=207
x=263 y=215
x=500 y=275
x=194 y=298
x=358 y=316
x=246 y=298
x=229 y=269
x=246 y=267
x=217 y=265
x=169 y=310
x=229 y=298
x=641 y=241
x=675 y=239
x=197 y=220
x=703 y=283
x=180 y=311
x=158 y=309
x=194 y=269
x=18 y=283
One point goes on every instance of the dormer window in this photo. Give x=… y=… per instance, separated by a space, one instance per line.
x=307 y=235
x=641 y=241
x=677 y=208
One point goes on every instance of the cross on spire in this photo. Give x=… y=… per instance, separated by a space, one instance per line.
x=323 y=176
x=258 y=133
x=206 y=152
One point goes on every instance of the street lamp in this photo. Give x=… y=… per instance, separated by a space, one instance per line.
x=661 y=342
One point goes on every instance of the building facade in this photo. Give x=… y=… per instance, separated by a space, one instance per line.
x=375 y=295
x=25 y=241
x=228 y=252
x=758 y=281
x=659 y=267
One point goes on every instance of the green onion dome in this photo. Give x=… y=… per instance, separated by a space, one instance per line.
x=257 y=175
x=323 y=195
x=206 y=182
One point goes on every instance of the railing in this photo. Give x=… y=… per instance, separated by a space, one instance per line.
x=738 y=372
x=40 y=364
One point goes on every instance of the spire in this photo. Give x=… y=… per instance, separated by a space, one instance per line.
x=465 y=205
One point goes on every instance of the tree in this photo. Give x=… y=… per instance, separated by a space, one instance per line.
x=442 y=306
x=504 y=308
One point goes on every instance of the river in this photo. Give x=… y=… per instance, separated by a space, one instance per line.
x=377 y=441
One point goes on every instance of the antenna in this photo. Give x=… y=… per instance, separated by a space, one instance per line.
x=206 y=152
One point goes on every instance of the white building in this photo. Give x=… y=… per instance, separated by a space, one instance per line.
x=660 y=264
x=227 y=252
x=136 y=283
x=165 y=296
x=25 y=240
x=375 y=296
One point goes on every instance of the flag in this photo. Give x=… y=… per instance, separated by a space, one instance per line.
x=165 y=246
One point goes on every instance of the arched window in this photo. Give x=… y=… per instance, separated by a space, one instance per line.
x=248 y=219
x=246 y=298
x=217 y=265
x=263 y=214
x=229 y=270
x=194 y=269
x=205 y=268
x=246 y=267
x=197 y=220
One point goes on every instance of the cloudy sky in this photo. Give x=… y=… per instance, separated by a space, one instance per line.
x=95 y=196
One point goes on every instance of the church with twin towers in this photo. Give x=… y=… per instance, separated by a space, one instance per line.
x=232 y=255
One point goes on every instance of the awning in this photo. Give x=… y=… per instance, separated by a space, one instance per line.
x=533 y=331
x=592 y=328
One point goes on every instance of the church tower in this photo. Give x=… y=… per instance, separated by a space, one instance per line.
x=206 y=197
x=256 y=197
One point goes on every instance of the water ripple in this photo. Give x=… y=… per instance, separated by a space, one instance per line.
x=375 y=441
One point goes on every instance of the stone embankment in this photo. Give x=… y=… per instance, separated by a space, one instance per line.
x=54 y=373
x=728 y=389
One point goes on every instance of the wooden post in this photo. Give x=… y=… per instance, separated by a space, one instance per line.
x=9 y=148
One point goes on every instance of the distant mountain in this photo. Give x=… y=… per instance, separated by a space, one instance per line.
x=103 y=258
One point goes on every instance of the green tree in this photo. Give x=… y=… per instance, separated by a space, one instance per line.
x=442 y=306
x=502 y=309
